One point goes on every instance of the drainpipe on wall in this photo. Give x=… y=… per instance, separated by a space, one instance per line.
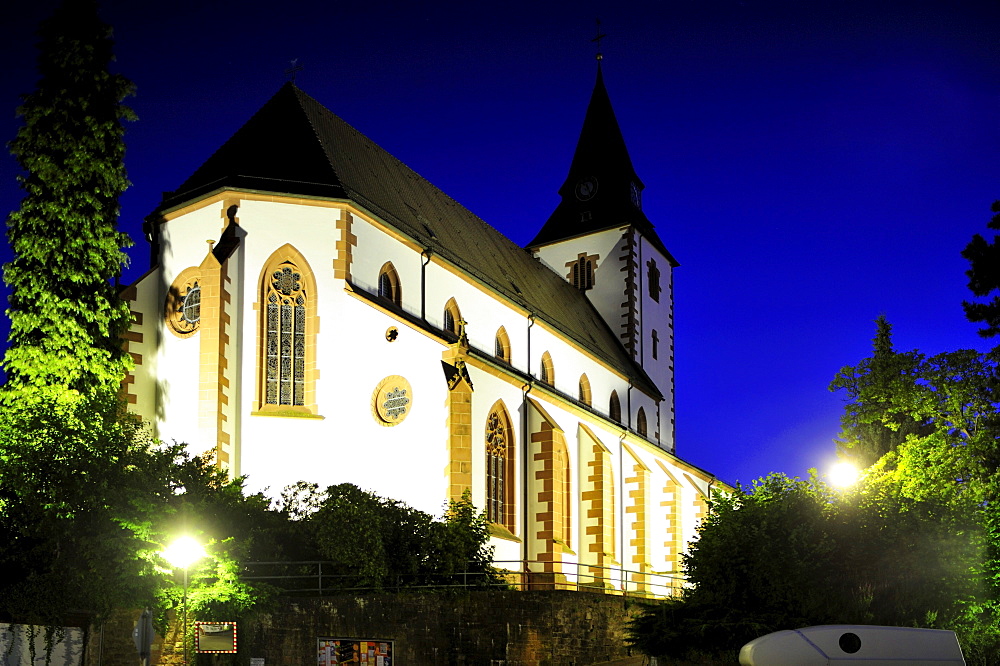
x=531 y=323
x=525 y=441
x=628 y=403
x=525 y=390
x=426 y=256
x=621 y=510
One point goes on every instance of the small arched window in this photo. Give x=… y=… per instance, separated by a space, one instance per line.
x=548 y=373
x=584 y=390
x=452 y=315
x=388 y=284
x=502 y=351
x=640 y=422
x=615 y=408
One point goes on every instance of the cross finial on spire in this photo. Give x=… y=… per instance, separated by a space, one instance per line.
x=597 y=40
x=293 y=70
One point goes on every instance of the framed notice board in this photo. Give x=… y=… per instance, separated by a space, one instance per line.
x=358 y=651
x=215 y=637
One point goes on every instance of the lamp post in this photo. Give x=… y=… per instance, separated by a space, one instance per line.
x=181 y=554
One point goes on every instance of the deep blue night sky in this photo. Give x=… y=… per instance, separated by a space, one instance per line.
x=810 y=164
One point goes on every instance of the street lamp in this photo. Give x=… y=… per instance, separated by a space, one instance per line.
x=181 y=554
x=843 y=475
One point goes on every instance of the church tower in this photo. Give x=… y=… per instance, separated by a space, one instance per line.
x=601 y=241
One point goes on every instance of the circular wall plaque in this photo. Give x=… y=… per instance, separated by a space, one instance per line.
x=392 y=400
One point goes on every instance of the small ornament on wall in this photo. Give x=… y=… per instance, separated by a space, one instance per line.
x=391 y=333
x=392 y=400
x=454 y=374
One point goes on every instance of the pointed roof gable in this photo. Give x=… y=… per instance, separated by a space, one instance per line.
x=276 y=150
x=294 y=145
x=602 y=189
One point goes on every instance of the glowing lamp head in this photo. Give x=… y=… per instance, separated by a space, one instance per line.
x=184 y=552
x=843 y=475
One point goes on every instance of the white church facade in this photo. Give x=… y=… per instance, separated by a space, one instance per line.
x=318 y=311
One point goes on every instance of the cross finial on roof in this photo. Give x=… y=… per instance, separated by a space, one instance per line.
x=293 y=70
x=598 y=39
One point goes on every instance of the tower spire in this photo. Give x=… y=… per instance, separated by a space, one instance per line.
x=602 y=189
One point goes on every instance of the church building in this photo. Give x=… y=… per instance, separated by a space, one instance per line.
x=318 y=311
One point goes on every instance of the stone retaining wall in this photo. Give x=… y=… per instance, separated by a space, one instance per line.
x=490 y=628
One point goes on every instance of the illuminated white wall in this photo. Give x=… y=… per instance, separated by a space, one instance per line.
x=407 y=461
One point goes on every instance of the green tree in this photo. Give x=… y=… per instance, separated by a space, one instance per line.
x=956 y=395
x=461 y=543
x=66 y=316
x=761 y=563
x=787 y=553
x=871 y=425
x=917 y=542
x=82 y=491
x=88 y=500
x=379 y=543
x=984 y=278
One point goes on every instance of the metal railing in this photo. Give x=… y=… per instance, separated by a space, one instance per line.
x=315 y=577
x=535 y=574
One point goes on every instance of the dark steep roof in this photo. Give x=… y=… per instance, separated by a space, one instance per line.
x=602 y=158
x=294 y=145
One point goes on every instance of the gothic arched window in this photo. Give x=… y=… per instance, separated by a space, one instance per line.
x=389 y=287
x=548 y=373
x=615 y=408
x=452 y=315
x=286 y=338
x=499 y=467
x=502 y=351
x=640 y=422
x=287 y=332
x=584 y=390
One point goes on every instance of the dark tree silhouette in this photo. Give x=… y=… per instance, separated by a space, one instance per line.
x=984 y=278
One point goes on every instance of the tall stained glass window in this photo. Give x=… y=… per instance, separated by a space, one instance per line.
x=285 y=338
x=496 y=465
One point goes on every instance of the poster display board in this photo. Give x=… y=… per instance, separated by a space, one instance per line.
x=215 y=637
x=16 y=641
x=360 y=651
